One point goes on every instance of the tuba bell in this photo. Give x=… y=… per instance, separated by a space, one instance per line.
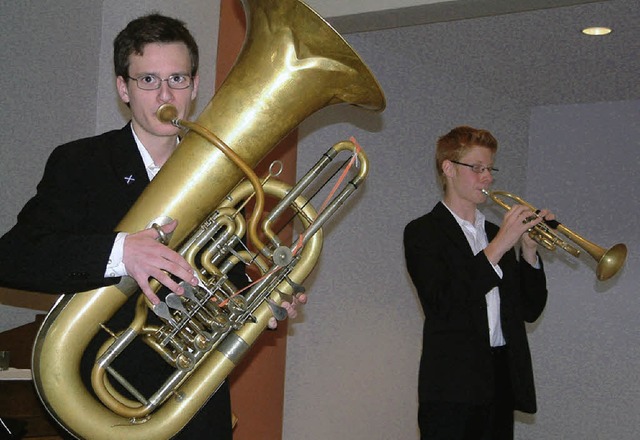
x=291 y=65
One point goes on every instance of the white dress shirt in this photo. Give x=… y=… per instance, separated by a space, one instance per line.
x=115 y=265
x=477 y=238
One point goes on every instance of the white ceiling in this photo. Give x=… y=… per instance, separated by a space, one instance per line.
x=336 y=8
x=431 y=10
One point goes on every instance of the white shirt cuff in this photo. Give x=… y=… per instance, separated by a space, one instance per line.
x=498 y=270
x=537 y=265
x=115 y=265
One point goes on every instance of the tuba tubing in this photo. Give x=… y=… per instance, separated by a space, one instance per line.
x=292 y=64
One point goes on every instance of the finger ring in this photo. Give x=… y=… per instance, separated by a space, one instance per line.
x=528 y=219
x=162 y=236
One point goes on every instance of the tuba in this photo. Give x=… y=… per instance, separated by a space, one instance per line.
x=291 y=65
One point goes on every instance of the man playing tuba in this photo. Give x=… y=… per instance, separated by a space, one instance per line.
x=64 y=239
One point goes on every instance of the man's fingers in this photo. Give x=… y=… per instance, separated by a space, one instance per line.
x=290 y=308
x=150 y=294
x=175 y=264
x=179 y=268
x=168 y=282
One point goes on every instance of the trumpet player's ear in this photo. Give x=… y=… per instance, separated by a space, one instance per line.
x=448 y=168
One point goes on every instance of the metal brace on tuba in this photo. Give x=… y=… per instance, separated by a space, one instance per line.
x=292 y=64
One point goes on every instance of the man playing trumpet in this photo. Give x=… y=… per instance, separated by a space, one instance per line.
x=476 y=294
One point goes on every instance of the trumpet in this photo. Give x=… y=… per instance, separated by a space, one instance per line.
x=609 y=261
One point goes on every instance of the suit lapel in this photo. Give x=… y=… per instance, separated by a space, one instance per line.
x=451 y=228
x=491 y=229
x=128 y=166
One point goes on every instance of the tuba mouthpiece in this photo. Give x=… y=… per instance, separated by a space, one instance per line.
x=167 y=113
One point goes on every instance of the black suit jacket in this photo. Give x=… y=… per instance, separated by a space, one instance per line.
x=64 y=234
x=451 y=282
x=62 y=242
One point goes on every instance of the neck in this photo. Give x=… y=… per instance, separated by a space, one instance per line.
x=160 y=148
x=161 y=151
x=463 y=209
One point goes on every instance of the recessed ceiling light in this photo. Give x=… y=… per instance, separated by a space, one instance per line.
x=596 y=30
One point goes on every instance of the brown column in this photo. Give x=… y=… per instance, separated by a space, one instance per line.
x=257 y=384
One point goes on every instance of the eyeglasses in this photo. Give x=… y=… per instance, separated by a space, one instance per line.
x=153 y=82
x=477 y=168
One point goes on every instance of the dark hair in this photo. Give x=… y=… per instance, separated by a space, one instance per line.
x=151 y=28
x=454 y=145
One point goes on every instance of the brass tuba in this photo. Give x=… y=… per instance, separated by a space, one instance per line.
x=609 y=261
x=292 y=64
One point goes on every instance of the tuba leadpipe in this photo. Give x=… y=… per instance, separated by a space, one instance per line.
x=609 y=261
x=291 y=65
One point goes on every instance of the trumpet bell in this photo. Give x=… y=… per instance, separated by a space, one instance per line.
x=611 y=262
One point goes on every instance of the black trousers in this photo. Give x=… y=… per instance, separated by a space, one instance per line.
x=213 y=422
x=467 y=421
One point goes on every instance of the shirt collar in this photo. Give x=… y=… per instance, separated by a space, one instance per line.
x=478 y=225
x=149 y=164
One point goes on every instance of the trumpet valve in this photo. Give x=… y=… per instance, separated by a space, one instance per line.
x=570 y=249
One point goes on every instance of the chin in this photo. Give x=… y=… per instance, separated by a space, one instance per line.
x=167 y=130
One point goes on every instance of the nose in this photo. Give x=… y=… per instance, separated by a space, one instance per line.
x=487 y=176
x=165 y=93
